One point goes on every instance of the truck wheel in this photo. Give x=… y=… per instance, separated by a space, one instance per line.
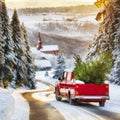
x=101 y=104
x=58 y=98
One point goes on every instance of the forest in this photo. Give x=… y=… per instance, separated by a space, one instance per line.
x=16 y=63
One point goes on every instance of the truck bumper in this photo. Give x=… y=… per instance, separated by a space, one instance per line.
x=92 y=98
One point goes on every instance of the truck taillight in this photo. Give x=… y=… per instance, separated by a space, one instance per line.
x=106 y=93
x=107 y=86
x=76 y=92
x=76 y=86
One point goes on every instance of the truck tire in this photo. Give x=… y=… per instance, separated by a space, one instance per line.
x=71 y=101
x=58 y=98
x=101 y=104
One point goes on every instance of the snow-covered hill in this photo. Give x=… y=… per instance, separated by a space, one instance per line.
x=62 y=29
x=75 y=25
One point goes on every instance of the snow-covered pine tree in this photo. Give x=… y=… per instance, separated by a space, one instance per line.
x=29 y=64
x=1 y=49
x=108 y=38
x=20 y=67
x=115 y=36
x=59 y=67
x=8 y=73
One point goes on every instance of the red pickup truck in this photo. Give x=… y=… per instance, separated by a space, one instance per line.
x=68 y=88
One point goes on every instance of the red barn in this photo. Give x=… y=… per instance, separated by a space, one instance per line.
x=48 y=49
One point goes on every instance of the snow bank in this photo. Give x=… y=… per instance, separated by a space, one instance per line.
x=114 y=103
x=21 y=111
x=7 y=104
x=40 y=86
x=13 y=106
x=114 y=94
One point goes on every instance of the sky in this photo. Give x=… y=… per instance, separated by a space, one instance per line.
x=45 y=3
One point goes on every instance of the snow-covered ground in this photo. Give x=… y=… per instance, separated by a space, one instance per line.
x=7 y=104
x=21 y=107
x=13 y=106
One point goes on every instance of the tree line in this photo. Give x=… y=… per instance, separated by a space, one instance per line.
x=16 y=63
x=83 y=9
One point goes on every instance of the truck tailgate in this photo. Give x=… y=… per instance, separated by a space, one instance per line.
x=92 y=89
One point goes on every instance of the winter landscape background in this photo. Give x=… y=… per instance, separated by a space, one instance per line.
x=74 y=33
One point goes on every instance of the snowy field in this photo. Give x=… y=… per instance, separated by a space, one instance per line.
x=63 y=29
x=62 y=24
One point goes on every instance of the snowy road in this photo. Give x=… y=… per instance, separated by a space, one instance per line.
x=40 y=110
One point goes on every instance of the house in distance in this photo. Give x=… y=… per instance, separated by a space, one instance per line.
x=47 y=49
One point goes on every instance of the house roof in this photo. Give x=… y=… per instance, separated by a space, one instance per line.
x=49 y=48
x=42 y=63
x=34 y=50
